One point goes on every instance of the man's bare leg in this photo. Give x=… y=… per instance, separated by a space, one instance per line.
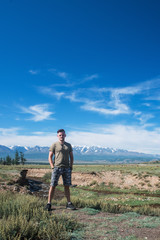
x=67 y=193
x=51 y=193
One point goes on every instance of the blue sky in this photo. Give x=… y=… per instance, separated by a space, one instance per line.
x=90 y=67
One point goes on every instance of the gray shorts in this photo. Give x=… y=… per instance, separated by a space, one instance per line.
x=66 y=176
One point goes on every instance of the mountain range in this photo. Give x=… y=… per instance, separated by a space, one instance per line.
x=82 y=154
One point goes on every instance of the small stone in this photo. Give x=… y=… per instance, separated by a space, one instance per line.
x=16 y=189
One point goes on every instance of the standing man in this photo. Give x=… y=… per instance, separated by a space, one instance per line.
x=62 y=165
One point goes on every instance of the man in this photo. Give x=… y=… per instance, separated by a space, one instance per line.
x=63 y=163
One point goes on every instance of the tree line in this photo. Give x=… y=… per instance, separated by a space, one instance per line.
x=18 y=159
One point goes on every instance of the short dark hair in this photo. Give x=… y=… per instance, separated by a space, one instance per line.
x=60 y=130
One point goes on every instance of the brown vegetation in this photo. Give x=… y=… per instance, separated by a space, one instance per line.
x=116 y=178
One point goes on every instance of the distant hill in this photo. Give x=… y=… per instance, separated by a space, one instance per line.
x=82 y=154
x=4 y=149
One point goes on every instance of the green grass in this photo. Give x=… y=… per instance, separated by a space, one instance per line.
x=89 y=211
x=109 y=227
x=135 y=169
x=111 y=198
x=113 y=203
x=5 y=177
x=147 y=222
x=113 y=189
x=22 y=217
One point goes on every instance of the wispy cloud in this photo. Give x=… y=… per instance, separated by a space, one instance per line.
x=60 y=74
x=105 y=100
x=154 y=98
x=86 y=79
x=9 y=131
x=118 y=108
x=39 y=112
x=91 y=77
x=109 y=104
x=143 y=118
x=33 y=72
x=70 y=79
x=115 y=101
x=51 y=91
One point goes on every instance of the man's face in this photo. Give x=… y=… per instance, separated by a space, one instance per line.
x=61 y=136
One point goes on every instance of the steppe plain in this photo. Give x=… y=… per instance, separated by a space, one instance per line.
x=130 y=192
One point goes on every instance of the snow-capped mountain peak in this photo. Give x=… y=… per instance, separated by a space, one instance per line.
x=88 y=153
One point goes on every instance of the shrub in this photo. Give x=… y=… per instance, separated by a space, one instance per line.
x=47 y=177
x=94 y=182
x=22 y=217
x=112 y=207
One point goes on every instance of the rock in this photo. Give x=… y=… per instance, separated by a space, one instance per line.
x=22 y=179
x=16 y=189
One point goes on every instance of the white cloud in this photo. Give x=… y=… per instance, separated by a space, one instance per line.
x=117 y=108
x=110 y=105
x=51 y=91
x=33 y=72
x=30 y=141
x=9 y=131
x=108 y=101
x=12 y=136
x=38 y=133
x=133 y=138
x=143 y=118
x=154 y=98
x=147 y=104
x=60 y=74
x=39 y=112
x=91 y=77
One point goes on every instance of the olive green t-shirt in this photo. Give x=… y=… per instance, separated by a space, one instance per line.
x=61 y=154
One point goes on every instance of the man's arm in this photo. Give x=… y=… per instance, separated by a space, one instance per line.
x=71 y=159
x=50 y=159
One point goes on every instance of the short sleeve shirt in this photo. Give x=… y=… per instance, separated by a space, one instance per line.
x=61 y=153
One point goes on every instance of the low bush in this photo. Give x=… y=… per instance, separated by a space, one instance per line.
x=47 y=177
x=112 y=207
x=23 y=217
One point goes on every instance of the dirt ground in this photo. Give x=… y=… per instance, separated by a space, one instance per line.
x=151 y=183
x=114 y=226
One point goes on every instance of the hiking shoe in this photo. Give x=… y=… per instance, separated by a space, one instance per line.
x=48 y=207
x=70 y=206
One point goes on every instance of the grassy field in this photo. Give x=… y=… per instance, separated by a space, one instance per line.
x=151 y=169
x=100 y=206
x=23 y=217
x=113 y=199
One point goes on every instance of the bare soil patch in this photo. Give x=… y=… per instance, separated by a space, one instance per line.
x=127 y=181
x=114 y=226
